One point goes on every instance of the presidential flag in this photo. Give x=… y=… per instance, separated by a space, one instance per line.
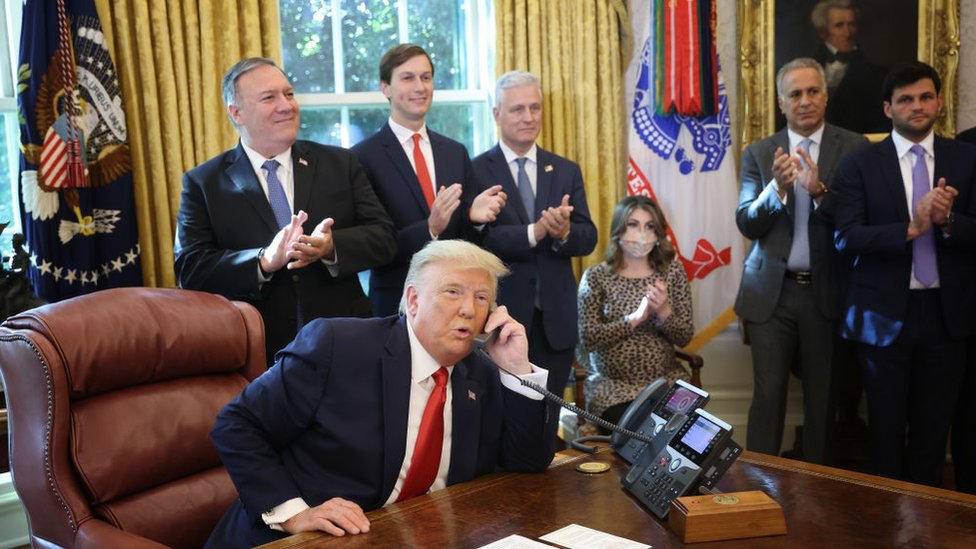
x=680 y=149
x=77 y=207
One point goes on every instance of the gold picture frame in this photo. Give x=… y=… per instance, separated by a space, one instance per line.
x=938 y=45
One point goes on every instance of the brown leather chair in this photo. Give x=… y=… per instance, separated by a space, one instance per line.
x=111 y=398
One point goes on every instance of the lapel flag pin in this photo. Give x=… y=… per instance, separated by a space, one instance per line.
x=471 y=395
x=303 y=162
x=548 y=168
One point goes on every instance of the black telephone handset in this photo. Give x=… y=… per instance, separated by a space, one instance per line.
x=639 y=409
x=680 y=399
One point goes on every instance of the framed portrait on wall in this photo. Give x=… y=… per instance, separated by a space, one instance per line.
x=857 y=48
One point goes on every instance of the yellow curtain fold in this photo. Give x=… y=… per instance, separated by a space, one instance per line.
x=171 y=56
x=580 y=49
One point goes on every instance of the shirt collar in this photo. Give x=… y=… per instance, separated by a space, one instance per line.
x=816 y=137
x=903 y=145
x=510 y=155
x=404 y=134
x=422 y=365
x=257 y=159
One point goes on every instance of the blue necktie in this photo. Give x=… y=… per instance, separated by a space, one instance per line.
x=923 y=247
x=799 y=259
x=525 y=189
x=276 y=194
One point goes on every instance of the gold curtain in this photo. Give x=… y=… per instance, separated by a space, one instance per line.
x=580 y=49
x=171 y=56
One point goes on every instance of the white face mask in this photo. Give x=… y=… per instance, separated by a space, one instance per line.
x=638 y=246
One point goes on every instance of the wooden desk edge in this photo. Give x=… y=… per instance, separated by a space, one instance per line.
x=862 y=479
x=391 y=511
x=572 y=457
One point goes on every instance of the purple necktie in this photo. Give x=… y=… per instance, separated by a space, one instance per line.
x=276 y=194
x=923 y=247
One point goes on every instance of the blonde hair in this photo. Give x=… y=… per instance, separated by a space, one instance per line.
x=460 y=255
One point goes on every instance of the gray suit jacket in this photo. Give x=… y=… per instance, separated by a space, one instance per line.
x=766 y=221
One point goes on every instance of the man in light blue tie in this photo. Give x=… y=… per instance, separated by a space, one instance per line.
x=544 y=224
x=283 y=224
x=788 y=297
x=907 y=214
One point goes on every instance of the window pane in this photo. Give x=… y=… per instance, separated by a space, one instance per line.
x=306 y=43
x=459 y=122
x=368 y=30
x=9 y=160
x=438 y=26
x=365 y=121
x=322 y=125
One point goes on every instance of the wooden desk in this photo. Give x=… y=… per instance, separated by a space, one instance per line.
x=824 y=507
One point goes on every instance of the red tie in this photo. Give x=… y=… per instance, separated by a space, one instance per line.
x=422 y=174
x=430 y=440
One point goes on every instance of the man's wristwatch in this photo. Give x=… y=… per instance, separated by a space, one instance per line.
x=821 y=191
x=264 y=273
x=946 y=227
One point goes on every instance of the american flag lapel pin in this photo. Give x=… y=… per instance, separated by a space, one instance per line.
x=471 y=395
x=548 y=168
x=303 y=162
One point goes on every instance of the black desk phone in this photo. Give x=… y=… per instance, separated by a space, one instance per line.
x=656 y=412
x=696 y=456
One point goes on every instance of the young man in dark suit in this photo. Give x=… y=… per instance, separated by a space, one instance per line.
x=343 y=422
x=422 y=178
x=788 y=294
x=907 y=213
x=544 y=224
x=283 y=224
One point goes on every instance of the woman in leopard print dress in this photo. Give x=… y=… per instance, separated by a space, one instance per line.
x=635 y=307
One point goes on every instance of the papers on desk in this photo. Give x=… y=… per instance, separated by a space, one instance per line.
x=573 y=536
x=516 y=542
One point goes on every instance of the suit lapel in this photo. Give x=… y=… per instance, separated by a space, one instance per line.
x=466 y=404
x=500 y=172
x=891 y=177
x=829 y=152
x=242 y=175
x=942 y=152
x=782 y=140
x=398 y=158
x=396 y=404
x=442 y=161
x=543 y=180
x=304 y=169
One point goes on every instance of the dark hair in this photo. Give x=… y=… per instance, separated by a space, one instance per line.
x=662 y=254
x=398 y=55
x=819 y=16
x=906 y=74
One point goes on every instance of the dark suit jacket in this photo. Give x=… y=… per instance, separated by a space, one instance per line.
x=856 y=103
x=225 y=219
x=763 y=219
x=872 y=223
x=398 y=189
x=329 y=420
x=969 y=136
x=549 y=261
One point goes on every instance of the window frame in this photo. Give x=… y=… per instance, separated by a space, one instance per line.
x=11 y=12
x=479 y=29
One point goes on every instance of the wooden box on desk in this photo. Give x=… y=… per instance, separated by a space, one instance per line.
x=726 y=516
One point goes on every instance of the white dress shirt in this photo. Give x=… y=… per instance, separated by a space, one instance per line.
x=405 y=136
x=531 y=170
x=906 y=163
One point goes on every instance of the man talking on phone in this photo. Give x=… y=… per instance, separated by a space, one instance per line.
x=361 y=413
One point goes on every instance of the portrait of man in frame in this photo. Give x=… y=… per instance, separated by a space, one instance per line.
x=888 y=32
